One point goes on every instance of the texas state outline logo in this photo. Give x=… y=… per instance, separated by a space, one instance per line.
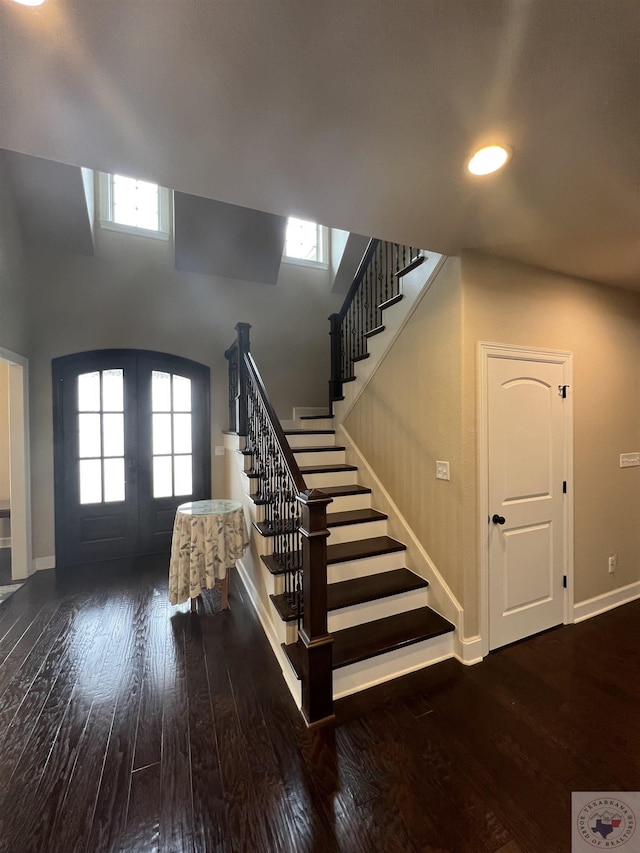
x=605 y=822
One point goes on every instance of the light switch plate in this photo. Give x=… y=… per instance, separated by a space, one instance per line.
x=630 y=460
x=219 y=451
x=442 y=471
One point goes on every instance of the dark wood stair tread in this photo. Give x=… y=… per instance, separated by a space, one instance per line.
x=345 y=491
x=373 y=332
x=274 y=566
x=351 y=645
x=354 y=516
x=328 y=416
x=357 y=591
x=372 y=588
x=341 y=553
x=309 y=432
x=322 y=449
x=361 y=357
x=361 y=549
x=280 y=527
x=384 y=635
x=391 y=301
x=327 y=469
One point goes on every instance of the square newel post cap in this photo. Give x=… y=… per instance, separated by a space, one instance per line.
x=314 y=497
x=313 y=504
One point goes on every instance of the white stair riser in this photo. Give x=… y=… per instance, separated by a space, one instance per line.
x=312 y=423
x=331 y=478
x=375 y=670
x=344 y=503
x=319 y=439
x=357 y=532
x=287 y=632
x=263 y=544
x=322 y=457
x=256 y=511
x=368 y=566
x=244 y=461
x=358 y=614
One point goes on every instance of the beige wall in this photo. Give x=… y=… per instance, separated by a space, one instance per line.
x=410 y=415
x=130 y=295
x=421 y=405
x=515 y=304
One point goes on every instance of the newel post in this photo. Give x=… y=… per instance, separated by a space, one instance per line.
x=243 y=348
x=335 y=383
x=317 y=643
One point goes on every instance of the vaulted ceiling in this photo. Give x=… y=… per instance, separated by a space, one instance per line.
x=357 y=114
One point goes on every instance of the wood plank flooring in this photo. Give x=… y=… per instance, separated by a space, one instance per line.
x=130 y=725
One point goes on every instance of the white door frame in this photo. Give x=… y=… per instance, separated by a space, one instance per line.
x=485 y=352
x=19 y=464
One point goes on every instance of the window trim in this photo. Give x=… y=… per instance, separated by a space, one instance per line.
x=323 y=251
x=105 y=211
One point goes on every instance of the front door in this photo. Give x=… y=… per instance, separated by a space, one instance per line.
x=527 y=470
x=131 y=438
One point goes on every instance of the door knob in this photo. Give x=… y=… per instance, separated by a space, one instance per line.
x=498 y=519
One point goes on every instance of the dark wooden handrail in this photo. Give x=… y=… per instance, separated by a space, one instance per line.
x=289 y=459
x=357 y=279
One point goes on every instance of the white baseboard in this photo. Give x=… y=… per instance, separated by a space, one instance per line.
x=5 y=543
x=607 y=601
x=292 y=682
x=41 y=563
x=468 y=651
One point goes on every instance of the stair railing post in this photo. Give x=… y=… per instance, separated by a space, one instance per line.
x=243 y=348
x=335 y=383
x=317 y=643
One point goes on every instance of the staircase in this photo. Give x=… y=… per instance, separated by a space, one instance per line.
x=378 y=611
x=332 y=589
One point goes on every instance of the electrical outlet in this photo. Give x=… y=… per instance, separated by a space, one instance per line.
x=442 y=471
x=613 y=563
x=630 y=460
x=219 y=451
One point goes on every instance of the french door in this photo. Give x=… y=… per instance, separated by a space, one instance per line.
x=131 y=443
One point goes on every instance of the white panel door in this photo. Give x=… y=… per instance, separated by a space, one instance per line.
x=527 y=467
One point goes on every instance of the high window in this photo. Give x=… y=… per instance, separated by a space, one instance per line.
x=134 y=206
x=306 y=243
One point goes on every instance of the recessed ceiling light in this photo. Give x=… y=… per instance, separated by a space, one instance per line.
x=29 y=2
x=489 y=159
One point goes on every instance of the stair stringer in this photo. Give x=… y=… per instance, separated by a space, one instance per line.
x=441 y=599
x=415 y=284
x=256 y=578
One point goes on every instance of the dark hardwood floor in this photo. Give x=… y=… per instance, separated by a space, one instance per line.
x=129 y=725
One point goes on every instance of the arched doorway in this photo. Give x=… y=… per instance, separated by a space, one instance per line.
x=131 y=443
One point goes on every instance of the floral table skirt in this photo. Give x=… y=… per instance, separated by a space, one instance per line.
x=208 y=538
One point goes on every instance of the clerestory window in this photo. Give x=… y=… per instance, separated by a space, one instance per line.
x=134 y=206
x=306 y=243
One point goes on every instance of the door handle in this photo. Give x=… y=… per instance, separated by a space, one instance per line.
x=498 y=519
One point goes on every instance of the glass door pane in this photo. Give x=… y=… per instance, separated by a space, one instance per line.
x=101 y=436
x=171 y=440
